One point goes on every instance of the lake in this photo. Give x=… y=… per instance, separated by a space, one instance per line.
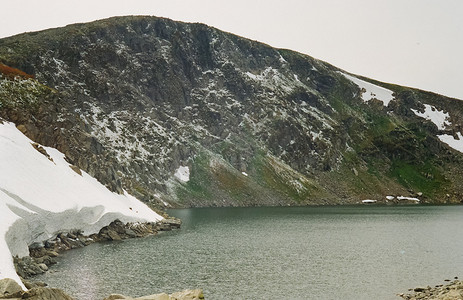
x=339 y=252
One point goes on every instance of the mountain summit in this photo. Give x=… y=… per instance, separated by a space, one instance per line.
x=184 y=115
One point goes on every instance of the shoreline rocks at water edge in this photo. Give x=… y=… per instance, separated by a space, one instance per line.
x=42 y=255
x=450 y=291
x=10 y=289
x=184 y=295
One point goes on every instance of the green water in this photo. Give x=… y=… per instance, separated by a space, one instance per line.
x=355 y=252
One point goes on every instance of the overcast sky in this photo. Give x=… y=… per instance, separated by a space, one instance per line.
x=417 y=43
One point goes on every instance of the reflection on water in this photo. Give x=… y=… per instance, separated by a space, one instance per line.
x=355 y=252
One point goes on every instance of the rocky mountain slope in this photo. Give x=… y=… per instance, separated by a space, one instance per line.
x=187 y=115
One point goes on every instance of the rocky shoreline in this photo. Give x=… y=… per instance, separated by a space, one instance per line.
x=453 y=290
x=42 y=255
x=10 y=289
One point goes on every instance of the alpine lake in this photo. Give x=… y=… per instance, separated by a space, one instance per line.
x=329 y=252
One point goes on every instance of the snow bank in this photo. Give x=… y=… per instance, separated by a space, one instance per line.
x=408 y=198
x=450 y=140
x=371 y=91
x=183 y=174
x=369 y=201
x=41 y=196
x=438 y=117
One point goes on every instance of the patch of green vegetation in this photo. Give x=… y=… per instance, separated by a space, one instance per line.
x=214 y=181
x=198 y=187
x=425 y=178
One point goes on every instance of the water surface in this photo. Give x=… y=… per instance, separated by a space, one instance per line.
x=353 y=252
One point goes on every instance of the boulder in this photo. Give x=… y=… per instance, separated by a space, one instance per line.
x=188 y=295
x=42 y=293
x=26 y=267
x=43 y=266
x=9 y=288
x=114 y=235
x=162 y=296
x=117 y=296
x=130 y=233
x=117 y=226
x=184 y=295
x=52 y=253
x=174 y=223
x=30 y=285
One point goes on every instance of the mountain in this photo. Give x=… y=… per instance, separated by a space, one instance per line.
x=187 y=115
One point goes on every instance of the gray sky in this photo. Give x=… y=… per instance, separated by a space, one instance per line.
x=416 y=43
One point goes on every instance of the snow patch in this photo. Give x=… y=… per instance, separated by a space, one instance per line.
x=40 y=197
x=245 y=174
x=434 y=115
x=371 y=91
x=183 y=174
x=368 y=201
x=455 y=143
x=408 y=198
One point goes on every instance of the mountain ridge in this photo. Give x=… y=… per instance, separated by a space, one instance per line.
x=137 y=98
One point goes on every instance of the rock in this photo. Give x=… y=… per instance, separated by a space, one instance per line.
x=76 y=169
x=130 y=232
x=9 y=288
x=117 y=296
x=30 y=285
x=451 y=291
x=169 y=224
x=42 y=254
x=50 y=243
x=36 y=245
x=173 y=222
x=188 y=295
x=162 y=296
x=71 y=236
x=22 y=128
x=184 y=295
x=44 y=267
x=52 y=253
x=41 y=293
x=117 y=226
x=114 y=235
x=70 y=241
x=451 y=295
x=26 y=267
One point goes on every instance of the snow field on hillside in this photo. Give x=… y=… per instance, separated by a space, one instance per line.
x=434 y=115
x=40 y=196
x=371 y=91
x=442 y=121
